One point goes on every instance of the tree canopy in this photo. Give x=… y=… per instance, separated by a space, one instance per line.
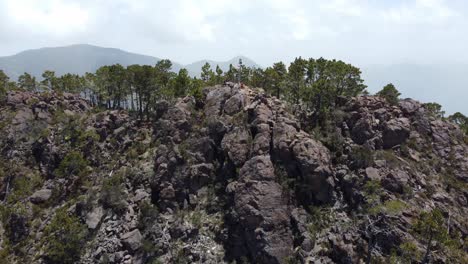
x=314 y=85
x=390 y=93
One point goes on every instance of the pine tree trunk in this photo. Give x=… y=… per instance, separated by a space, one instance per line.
x=428 y=250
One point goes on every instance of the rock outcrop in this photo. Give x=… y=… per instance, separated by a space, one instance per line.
x=230 y=177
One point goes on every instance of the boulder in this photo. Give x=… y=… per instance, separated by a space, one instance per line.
x=362 y=131
x=132 y=240
x=200 y=175
x=396 y=131
x=234 y=104
x=373 y=173
x=236 y=144
x=40 y=196
x=94 y=217
x=409 y=106
x=140 y=195
x=283 y=135
x=313 y=162
x=396 y=181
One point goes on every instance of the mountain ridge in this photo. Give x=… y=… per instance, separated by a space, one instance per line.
x=234 y=171
x=428 y=83
x=88 y=58
x=85 y=58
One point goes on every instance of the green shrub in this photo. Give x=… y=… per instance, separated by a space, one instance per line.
x=390 y=207
x=196 y=218
x=149 y=248
x=452 y=182
x=287 y=183
x=361 y=157
x=390 y=158
x=430 y=226
x=16 y=223
x=394 y=206
x=319 y=218
x=64 y=238
x=72 y=165
x=390 y=93
x=112 y=194
x=409 y=252
x=23 y=186
x=138 y=148
x=132 y=154
x=434 y=109
x=372 y=190
x=89 y=136
x=148 y=214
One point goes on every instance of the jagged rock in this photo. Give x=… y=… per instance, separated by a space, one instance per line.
x=18 y=228
x=23 y=116
x=313 y=162
x=201 y=175
x=263 y=212
x=132 y=240
x=299 y=225
x=396 y=181
x=283 y=135
x=362 y=130
x=235 y=104
x=409 y=106
x=396 y=131
x=16 y=99
x=94 y=217
x=215 y=99
x=262 y=140
x=234 y=177
x=236 y=144
x=41 y=196
x=373 y=173
x=140 y=195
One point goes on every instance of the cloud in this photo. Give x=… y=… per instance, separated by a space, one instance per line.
x=421 y=12
x=47 y=17
x=362 y=31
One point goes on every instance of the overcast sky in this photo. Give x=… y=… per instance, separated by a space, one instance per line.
x=359 y=31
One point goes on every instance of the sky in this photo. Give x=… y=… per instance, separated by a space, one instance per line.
x=381 y=37
x=363 y=32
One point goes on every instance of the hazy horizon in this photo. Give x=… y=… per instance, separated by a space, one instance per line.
x=362 y=32
x=366 y=33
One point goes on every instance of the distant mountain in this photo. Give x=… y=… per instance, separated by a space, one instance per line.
x=194 y=69
x=82 y=58
x=76 y=59
x=446 y=84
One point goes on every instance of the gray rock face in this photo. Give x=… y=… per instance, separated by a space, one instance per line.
x=377 y=125
x=409 y=106
x=373 y=173
x=236 y=143
x=234 y=178
x=362 y=130
x=94 y=217
x=235 y=104
x=263 y=212
x=313 y=162
x=396 y=181
x=246 y=134
x=132 y=240
x=41 y=196
x=396 y=132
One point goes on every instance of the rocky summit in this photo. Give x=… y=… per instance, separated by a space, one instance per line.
x=234 y=176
